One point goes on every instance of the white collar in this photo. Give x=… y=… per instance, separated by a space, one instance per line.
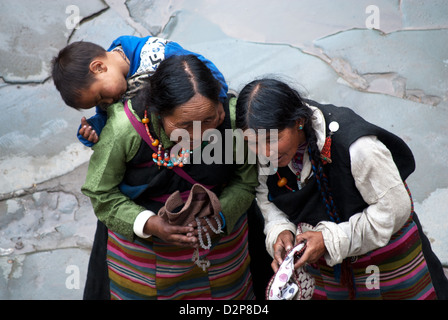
x=319 y=126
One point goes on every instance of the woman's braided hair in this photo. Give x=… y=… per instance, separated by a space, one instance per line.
x=272 y=104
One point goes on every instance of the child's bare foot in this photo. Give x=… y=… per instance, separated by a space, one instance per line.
x=87 y=132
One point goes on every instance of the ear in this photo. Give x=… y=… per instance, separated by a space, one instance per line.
x=97 y=66
x=300 y=122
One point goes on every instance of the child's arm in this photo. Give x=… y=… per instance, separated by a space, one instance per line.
x=89 y=130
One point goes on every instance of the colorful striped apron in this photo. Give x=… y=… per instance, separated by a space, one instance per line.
x=152 y=269
x=397 y=271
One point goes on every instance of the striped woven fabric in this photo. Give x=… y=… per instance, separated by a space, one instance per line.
x=397 y=271
x=151 y=269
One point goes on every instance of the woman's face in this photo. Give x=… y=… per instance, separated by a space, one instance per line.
x=280 y=148
x=198 y=108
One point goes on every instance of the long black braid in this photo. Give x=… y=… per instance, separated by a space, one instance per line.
x=317 y=164
x=343 y=272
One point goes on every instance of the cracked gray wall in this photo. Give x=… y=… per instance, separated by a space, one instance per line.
x=396 y=77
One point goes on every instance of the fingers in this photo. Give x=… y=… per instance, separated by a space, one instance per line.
x=176 y=235
x=274 y=265
x=206 y=228
x=92 y=136
x=315 y=247
x=183 y=240
x=283 y=245
x=303 y=259
x=84 y=122
x=178 y=232
x=181 y=236
x=279 y=254
x=87 y=131
x=185 y=236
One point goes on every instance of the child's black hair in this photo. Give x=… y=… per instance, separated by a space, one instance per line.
x=70 y=70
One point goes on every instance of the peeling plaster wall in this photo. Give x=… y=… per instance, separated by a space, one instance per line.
x=395 y=76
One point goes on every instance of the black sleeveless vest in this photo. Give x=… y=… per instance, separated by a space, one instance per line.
x=306 y=205
x=144 y=180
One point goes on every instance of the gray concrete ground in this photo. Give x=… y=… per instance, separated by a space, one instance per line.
x=386 y=59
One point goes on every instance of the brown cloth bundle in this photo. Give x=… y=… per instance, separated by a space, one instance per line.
x=200 y=203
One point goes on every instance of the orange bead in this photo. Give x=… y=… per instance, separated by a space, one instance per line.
x=282 y=182
x=155 y=143
x=180 y=164
x=154 y=155
x=145 y=120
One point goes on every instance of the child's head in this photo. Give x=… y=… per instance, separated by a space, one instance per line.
x=86 y=75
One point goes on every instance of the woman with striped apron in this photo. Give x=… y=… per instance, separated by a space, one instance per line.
x=132 y=173
x=340 y=188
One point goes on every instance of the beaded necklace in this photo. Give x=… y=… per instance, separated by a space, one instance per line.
x=297 y=164
x=167 y=160
x=321 y=178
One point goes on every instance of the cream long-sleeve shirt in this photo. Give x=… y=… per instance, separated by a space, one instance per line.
x=377 y=179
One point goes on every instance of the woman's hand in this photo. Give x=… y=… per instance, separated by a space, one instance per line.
x=204 y=224
x=176 y=235
x=282 y=246
x=315 y=247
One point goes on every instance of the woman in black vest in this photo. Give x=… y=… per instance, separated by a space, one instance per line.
x=340 y=187
x=135 y=169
